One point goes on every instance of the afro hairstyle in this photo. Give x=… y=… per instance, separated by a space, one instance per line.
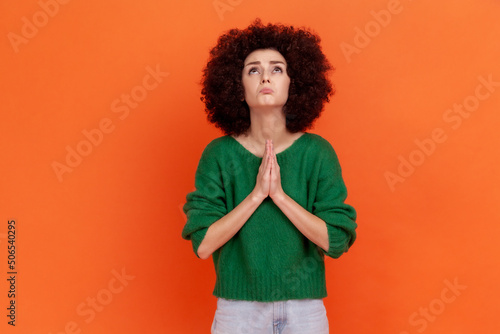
x=222 y=88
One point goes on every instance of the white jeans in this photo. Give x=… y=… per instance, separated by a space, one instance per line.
x=305 y=316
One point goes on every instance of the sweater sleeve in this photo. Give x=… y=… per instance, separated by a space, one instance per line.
x=206 y=204
x=329 y=204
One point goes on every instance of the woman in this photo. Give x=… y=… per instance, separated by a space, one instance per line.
x=269 y=198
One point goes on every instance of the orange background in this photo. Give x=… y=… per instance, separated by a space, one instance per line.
x=119 y=209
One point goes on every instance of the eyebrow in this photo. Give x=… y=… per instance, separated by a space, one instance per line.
x=271 y=62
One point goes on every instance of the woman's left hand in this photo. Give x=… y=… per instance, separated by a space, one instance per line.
x=275 y=189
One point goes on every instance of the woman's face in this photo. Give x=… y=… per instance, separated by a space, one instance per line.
x=265 y=79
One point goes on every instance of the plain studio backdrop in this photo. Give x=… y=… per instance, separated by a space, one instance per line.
x=102 y=128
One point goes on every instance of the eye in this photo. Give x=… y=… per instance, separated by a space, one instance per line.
x=253 y=70
x=277 y=69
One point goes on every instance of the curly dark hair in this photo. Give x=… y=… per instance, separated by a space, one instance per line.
x=307 y=67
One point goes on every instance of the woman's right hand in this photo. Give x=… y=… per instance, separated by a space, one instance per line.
x=226 y=227
x=263 y=183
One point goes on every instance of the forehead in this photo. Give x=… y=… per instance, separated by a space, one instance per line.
x=264 y=55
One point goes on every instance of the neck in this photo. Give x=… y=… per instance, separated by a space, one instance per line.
x=267 y=124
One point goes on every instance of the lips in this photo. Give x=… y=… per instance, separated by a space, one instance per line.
x=266 y=91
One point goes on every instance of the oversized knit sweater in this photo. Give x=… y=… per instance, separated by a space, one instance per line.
x=269 y=259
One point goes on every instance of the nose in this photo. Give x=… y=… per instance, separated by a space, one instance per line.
x=265 y=77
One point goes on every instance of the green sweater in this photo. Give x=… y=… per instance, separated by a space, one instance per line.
x=269 y=259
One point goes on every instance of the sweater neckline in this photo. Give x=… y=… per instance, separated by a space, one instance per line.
x=282 y=153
